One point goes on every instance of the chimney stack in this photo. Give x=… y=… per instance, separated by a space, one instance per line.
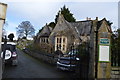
x=97 y=18
x=87 y=18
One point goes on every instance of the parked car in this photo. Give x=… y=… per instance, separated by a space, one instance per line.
x=68 y=62
x=11 y=55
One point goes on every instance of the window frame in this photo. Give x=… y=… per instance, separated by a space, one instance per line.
x=61 y=41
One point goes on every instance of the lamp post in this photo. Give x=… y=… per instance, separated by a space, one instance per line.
x=3 y=8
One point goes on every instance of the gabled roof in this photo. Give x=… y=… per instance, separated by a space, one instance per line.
x=101 y=22
x=44 y=35
x=63 y=25
x=46 y=31
x=83 y=27
x=78 y=29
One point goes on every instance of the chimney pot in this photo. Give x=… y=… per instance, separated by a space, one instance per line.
x=96 y=18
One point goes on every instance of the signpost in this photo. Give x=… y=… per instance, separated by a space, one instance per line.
x=3 y=8
x=104 y=41
x=104 y=50
x=104 y=54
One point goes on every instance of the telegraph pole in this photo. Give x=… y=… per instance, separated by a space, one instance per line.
x=3 y=8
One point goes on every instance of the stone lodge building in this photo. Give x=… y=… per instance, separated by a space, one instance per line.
x=66 y=34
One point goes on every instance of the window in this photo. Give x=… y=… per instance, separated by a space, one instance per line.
x=45 y=40
x=63 y=47
x=61 y=43
x=63 y=40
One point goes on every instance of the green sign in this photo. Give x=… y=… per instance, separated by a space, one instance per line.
x=104 y=41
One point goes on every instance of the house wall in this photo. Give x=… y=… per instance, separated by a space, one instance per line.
x=71 y=40
x=92 y=50
x=3 y=8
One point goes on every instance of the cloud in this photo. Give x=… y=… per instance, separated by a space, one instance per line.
x=11 y=28
x=108 y=10
x=41 y=12
x=37 y=13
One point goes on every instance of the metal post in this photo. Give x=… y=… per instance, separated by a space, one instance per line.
x=3 y=8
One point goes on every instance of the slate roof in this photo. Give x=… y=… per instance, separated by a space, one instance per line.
x=82 y=27
x=64 y=26
x=46 y=31
x=44 y=35
x=79 y=28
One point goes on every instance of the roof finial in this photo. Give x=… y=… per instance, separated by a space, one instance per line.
x=46 y=24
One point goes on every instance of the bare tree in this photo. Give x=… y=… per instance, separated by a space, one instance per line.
x=25 y=29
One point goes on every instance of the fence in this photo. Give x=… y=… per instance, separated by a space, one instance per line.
x=82 y=68
x=115 y=63
x=115 y=58
x=115 y=72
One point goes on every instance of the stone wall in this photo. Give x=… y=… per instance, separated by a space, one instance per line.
x=48 y=58
x=115 y=72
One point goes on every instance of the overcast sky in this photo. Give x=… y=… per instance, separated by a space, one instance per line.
x=39 y=13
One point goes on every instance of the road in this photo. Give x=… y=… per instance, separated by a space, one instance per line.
x=29 y=67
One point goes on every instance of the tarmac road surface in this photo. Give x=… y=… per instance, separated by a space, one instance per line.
x=29 y=67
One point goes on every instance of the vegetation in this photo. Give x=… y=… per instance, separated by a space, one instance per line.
x=115 y=56
x=22 y=43
x=66 y=13
x=52 y=25
x=109 y=23
x=42 y=47
x=25 y=29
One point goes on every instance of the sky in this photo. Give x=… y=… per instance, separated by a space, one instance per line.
x=41 y=12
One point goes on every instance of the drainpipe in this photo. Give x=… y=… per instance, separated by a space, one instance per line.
x=96 y=49
x=96 y=55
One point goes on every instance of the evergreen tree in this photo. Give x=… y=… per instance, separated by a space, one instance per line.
x=52 y=25
x=67 y=15
x=115 y=47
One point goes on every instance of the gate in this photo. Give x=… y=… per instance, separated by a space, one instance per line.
x=115 y=57
x=82 y=68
